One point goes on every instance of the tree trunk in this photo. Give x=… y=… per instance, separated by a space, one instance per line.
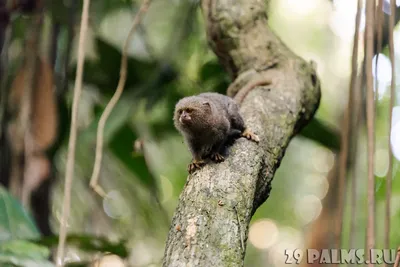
x=211 y=222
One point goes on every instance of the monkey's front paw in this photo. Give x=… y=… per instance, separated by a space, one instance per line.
x=250 y=135
x=194 y=165
x=217 y=157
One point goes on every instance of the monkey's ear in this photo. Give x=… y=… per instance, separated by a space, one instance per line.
x=206 y=103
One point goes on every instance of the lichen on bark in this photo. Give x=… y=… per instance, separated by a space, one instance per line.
x=210 y=224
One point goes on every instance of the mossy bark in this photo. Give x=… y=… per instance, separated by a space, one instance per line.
x=211 y=222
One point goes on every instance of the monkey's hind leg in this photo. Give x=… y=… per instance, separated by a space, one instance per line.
x=195 y=165
x=250 y=135
x=216 y=152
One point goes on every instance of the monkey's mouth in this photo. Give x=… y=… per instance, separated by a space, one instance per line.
x=185 y=119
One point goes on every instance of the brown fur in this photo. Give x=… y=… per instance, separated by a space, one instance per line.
x=207 y=122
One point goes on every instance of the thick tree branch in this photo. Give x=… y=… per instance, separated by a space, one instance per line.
x=210 y=224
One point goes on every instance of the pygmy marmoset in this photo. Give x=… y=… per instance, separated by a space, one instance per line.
x=208 y=121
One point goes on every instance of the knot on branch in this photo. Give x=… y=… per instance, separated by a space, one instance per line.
x=311 y=94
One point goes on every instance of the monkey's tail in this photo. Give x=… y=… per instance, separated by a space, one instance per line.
x=244 y=91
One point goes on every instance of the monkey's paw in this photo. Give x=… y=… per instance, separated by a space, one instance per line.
x=217 y=157
x=194 y=165
x=250 y=135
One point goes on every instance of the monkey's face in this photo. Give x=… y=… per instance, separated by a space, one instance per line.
x=190 y=113
x=185 y=116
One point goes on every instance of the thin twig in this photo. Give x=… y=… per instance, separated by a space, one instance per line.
x=344 y=151
x=120 y=88
x=356 y=119
x=354 y=148
x=358 y=116
x=397 y=261
x=370 y=7
x=392 y=98
x=240 y=228
x=379 y=22
x=73 y=134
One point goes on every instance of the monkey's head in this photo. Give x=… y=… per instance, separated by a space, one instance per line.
x=192 y=113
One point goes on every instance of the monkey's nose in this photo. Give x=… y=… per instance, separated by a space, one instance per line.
x=184 y=118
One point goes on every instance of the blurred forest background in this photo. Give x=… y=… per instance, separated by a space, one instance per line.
x=145 y=159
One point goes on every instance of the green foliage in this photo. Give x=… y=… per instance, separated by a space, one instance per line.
x=380 y=186
x=88 y=243
x=213 y=73
x=21 y=245
x=121 y=146
x=99 y=9
x=119 y=138
x=16 y=226
x=15 y=222
x=104 y=72
x=317 y=131
x=24 y=253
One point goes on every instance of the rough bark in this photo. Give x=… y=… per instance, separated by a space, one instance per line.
x=210 y=224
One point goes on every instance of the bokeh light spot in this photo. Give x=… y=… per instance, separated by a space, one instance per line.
x=386 y=6
x=114 y=205
x=343 y=18
x=263 y=233
x=381 y=162
x=308 y=208
x=383 y=73
x=110 y=260
x=395 y=115
x=315 y=184
x=323 y=160
x=289 y=239
x=299 y=8
x=395 y=140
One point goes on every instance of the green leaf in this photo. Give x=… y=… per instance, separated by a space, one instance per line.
x=60 y=11
x=118 y=117
x=15 y=222
x=121 y=145
x=88 y=243
x=321 y=133
x=380 y=184
x=212 y=70
x=104 y=72
x=213 y=76
x=24 y=253
x=119 y=138
x=101 y=9
x=380 y=188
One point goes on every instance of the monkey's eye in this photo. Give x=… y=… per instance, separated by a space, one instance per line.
x=180 y=111
x=189 y=110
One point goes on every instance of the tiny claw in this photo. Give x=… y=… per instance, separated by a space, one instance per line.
x=194 y=165
x=250 y=136
x=217 y=157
